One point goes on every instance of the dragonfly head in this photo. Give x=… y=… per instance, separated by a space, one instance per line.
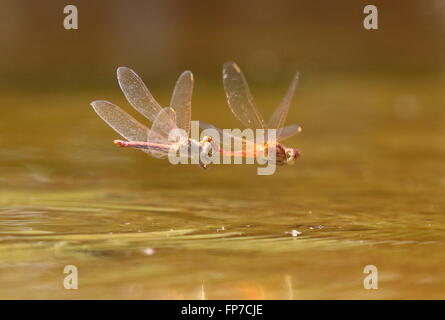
x=292 y=155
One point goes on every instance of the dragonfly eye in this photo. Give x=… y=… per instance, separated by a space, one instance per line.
x=292 y=155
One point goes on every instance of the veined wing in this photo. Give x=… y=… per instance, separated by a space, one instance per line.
x=282 y=133
x=239 y=98
x=287 y=132
x=279 y=116
x=164 y=123
x=120 y=121
x=181 y=100
x=137 y=93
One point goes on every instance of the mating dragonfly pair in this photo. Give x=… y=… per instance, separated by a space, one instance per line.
x=156 y=142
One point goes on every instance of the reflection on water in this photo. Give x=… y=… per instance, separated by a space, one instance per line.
x=368 y=190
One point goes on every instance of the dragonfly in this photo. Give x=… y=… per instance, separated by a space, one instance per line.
x=156 y=141
x=242 y=105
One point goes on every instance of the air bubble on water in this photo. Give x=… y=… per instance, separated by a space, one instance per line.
x=295 y=233
x=149 y=251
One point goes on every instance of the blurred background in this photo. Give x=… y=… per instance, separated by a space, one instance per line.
x=160 y=39
x=368 y=189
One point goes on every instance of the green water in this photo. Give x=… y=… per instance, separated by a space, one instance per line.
x=368 y=191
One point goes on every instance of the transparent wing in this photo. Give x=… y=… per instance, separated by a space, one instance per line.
x=164 y=123
x=239 y=98
x=282 y=133
x=137 y=93
x=181 y=100
x=279 y=116
x=287 y=132
x=120 y=121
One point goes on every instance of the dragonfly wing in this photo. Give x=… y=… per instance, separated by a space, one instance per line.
x=164 y=123
x=279 y=116
x=239 y=98
x=121 y=122
x=181 y=100
x=288 y=131
x=137 y=93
